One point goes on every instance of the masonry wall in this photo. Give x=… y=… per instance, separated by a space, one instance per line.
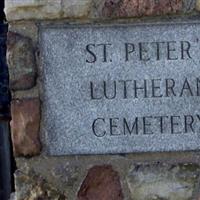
x=144 y=176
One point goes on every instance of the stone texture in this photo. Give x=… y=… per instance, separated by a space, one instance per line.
x=66 y=174
x=12 y=196
x=101 y=183
x=32 y=187
x=30 y=94
x=198 y=5
x=118 y=123
x=46 y=9
x=189 y=6
x=136 y=8
x=58 y=173
x=32 y=9
x=163 y=182
x=25 y=127
x=27 y=94
x=27 y=29
x=75 y=8
x=21 y=62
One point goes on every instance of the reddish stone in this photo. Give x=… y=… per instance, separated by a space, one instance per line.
x=135 y=8
x=25 y=127
x=101 y=183
x=21 y=62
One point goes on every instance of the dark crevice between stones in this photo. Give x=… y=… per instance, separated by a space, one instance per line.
x=7 y=165
x=13 y=166
x=2 y=15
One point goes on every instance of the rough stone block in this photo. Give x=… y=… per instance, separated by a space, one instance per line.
x=21 y=62
x=25 y=127
x=25 y=28
x=32 y=9
x=75 y=8
x=198 y=5
x=26 y=94
x=46 y=9
x=30 y=187
x=135 y=8
x=189 y=6
x=164 y=182
x=102 y=182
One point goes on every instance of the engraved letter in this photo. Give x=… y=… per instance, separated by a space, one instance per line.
x=94 y=58
x=145 y=125
x=143 y=51
x=94 y=128
x=198 y=86
x=129 y=48
x=174 y=123
x=125 y=87
x=186 y=86
x=104 y=51
x=92 y=91
x=185 y=48
x=189 y=120
x=134 y=125
x=170 y=49
x=136 y=88
x=170 y=83
x=113 y=126
x=106 y=90
x=161 y=120
x=156 y=88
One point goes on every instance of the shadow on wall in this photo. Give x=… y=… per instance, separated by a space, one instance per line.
x=7 y=163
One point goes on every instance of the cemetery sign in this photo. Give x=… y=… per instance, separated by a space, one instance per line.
x=121 y=88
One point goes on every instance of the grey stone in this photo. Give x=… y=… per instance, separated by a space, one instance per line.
x=163 y=182
x=21 y=62
x=29 y=187
x=189 y=5
x=12 y=196
x=131 y=121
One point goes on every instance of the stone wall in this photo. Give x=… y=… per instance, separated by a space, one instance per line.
x=149 y=176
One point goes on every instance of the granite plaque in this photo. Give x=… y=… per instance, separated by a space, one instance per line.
x=121 y=88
